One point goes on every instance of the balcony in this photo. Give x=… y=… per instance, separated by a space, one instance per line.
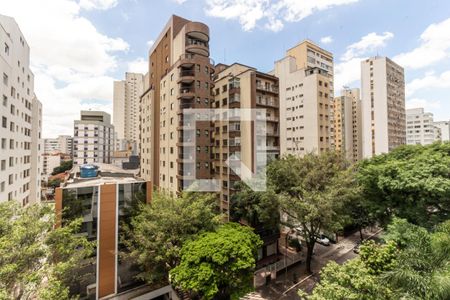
x=186 y=76
x=271 y=102
x=267 y=88
x=190 y=141
x=186 y=92
x=197 y=46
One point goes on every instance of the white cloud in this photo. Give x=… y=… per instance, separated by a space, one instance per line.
x=348 y=70
x=274 y=12
x=434 y=47
x=98 y=4
x=139 y=65
x=368 y=43
x=179 y=1
x=429 y=81
x=150 y=43
x=422 y=103
x=326 y=40
x=71 y=59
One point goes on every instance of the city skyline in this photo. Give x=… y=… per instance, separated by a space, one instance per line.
x=117 y=43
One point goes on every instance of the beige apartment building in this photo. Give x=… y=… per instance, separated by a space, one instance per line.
x=306 y=94
x=241 y=87
x=180 y=77
x=126 y=98
x=347 y=124
x=383 y=105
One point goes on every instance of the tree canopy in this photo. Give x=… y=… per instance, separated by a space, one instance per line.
x=37 y=261
x=257 y=209
x=411 y=182
x=413 y=264
x=159 y=230
x=218 y=264
x=65 y=166
x=313 y=191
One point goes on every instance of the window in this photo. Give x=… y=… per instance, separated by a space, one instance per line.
x=6 y=49
x=5 y=79
x=3 y=143
x=4 y=122
x=2 y=186
x=3 y=164
x=5 y=100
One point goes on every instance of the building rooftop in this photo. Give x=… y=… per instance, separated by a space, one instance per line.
x=85 y=182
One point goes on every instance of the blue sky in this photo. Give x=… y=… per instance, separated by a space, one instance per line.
x=110 y=37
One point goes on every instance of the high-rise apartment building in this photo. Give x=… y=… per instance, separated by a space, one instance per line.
x=179 y=78
x=21 y=119
x=306 y=94
x=93 y=138
x=383 y=105
x=241 y=87
x=126 y=108
x=347 y=123
x=63 y=144
x=419 y=127
x=444 y=130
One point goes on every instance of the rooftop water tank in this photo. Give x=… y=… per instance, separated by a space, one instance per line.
x=88 y=171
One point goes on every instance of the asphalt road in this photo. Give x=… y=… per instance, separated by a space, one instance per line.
x=286 y=285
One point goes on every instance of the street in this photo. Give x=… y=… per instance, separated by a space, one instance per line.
x=286 y=285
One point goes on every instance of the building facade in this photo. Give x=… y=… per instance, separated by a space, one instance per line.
x=179 y=78
x=443 y=128
x=21 y=119
x=241 y=87
x=383 y=105
x=347 y=124
x=50 y=161
x=306 y=93
x=105 y=202
x=93 y=138
x=63 y=144
x=126 y=108
x=420 y=129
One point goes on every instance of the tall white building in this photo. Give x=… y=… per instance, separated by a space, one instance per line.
x=93 y=140
x=63 y=144
x=21 y=122
x=383 y=106
x=444 y=130
x=126 y=108
x=306 y=93
x=419 y=127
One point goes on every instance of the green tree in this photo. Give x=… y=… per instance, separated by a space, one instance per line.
x=378 y=258
x=257 y=209
x=159 y=230
x=218 y=264
x=65 y=166
x=411 y=182
x=55 y=183
x=37 y=261
x=350 y=281
x=423 y=268
x=313 y=191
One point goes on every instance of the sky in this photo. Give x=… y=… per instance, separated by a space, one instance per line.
x=79 y=47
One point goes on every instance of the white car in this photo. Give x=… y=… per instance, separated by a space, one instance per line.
x=321 y=239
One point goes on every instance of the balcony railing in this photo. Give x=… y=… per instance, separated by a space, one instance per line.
x=273 y=89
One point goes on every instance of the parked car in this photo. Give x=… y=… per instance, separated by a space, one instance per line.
x=356 y=248
x=330 y=236
x=323 y=240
